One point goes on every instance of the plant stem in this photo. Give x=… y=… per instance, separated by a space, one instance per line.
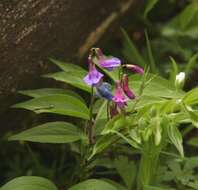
x=90 y=127
x=148 y=166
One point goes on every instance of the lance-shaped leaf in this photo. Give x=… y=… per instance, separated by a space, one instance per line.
x=157 y=87
x=176 y=138
x=73 y=78
x=52 y=132
x=102 y=143
x=29 y=183
x=36 y=93
x=126 y=169
x=59 y=104
x=68 y=67
x=191 y=97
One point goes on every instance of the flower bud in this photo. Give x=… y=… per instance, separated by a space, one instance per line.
x=179 y=80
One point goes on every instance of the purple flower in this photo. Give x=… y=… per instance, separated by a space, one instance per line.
x=119 y=98
x=94 y=76
x=109 y=63
x=135 y=68
x=125 y=86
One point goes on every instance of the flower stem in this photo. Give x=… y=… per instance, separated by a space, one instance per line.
x=90 y=127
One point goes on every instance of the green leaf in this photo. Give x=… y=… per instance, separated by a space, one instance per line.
x=116 y=184
x=130 y=50
x=191 y=63
x=174 y=70
x=29 y=183
x=75 y=79
x=176 y=138
x=126 y=169
x=116 y=123
x=158 y=87
x=148 y=187
x=191 y=97
x=68 y=67
x=93 y=184
x=149 y=6
x=184 y=23
x=192 y=114
x=187 y=15
x=59 y=104
x=36 y=93
x=52 y=132
x=102 y=143
x=150 y=55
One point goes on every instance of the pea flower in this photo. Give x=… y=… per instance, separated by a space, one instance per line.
x=104 y=91
x=125 y=86
x=119 y=98
x=135 y=68
x=107 y=63
x=94 y=76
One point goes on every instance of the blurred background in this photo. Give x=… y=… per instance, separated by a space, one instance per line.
x=33 y=31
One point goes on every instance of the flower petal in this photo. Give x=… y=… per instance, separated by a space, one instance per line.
x=135 y=68
x=109 y=63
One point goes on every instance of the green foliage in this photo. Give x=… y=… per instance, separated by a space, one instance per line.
x=131 y=51
x=149 y=6
x=149 y=143
x=58 y=104
x=52 y=132
x=126 y=169
x=29 y=182
x=93 y=184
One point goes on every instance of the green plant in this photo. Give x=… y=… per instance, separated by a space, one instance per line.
x=114 y=127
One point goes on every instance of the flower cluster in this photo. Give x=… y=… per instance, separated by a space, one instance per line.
x=94 y=78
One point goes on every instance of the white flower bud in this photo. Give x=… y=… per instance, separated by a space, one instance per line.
x=179 y=80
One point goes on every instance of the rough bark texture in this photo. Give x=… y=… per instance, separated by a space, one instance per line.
x=33 y=30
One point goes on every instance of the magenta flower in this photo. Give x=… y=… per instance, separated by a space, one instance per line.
x=125 y=86
x=94 y=76
x=109 y=63
x=135 y=69
x=119 y=98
